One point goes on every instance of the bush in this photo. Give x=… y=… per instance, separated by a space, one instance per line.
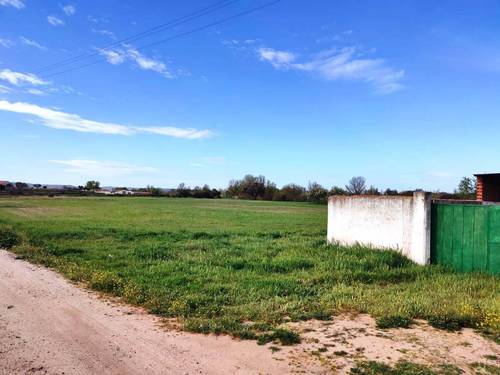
x=394 y=321
x=8 y=238
x=284 y=336
x=448 y=322
x=401 y=368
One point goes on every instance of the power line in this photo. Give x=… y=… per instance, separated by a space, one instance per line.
x=162 y=27
x=224 y=20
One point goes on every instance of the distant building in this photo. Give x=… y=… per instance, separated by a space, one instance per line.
x=488 y=187
x=124 y=192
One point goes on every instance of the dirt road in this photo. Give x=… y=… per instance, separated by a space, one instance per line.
x=49 y=326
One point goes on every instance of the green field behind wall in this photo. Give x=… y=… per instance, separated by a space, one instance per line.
x=234 y=266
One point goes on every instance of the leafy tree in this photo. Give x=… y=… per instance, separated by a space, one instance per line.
x=250 y=187
x=337 y=190
x=292 y=192
x=92 y=185
x=372 y=190
x=21 y=185
x=271 y=191
x=356 y=185
x=390 y=192
x=153 y=190
x=183 y=191
x=316 y=193
x=466 y=188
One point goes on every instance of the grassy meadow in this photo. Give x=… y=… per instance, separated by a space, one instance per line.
x=237 y=267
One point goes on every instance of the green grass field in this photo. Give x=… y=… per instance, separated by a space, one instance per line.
x=239 y=267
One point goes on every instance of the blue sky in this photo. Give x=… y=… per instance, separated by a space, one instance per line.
x=405 y=93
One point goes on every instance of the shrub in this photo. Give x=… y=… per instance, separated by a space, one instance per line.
x=393 y=321
x=8 y=238
x=284 y=336
x=447 y=322
x=401 y=368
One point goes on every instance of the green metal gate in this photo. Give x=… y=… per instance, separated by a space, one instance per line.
x=466 y=237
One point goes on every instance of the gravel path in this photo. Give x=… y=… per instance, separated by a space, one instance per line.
x=50 y=326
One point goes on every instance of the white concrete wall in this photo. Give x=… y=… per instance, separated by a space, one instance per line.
x=395 y=222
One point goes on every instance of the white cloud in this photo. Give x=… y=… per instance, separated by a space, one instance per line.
x=32 y=43
x=102 y=168
x=104 y=32
x=61 y=120
x=340 y=65
x=54 y=21
x=278 y=59
x=18 y=4
x=147 y=63
x=119 y=55
x=69 y=9
x=5 y=42
x=4 y=89
x=113 y=57
x=188 y=133
x=36 y=92
x=18 y=78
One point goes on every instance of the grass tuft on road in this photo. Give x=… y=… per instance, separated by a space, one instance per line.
x=238 y=267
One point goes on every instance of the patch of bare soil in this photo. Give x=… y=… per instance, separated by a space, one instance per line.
x=340 y=343
x=50 y=326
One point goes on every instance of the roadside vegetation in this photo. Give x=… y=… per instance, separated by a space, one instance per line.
x=238 y=267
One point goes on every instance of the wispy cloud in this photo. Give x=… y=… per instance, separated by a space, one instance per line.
x=36 y=92
x=344 y=64
x=61 y=120
x=128 y=53
x=32 y=43
x=104 y=32
x=7 y=43
x=18 y=4
x=278 y=59
x=102 y=168
x=188 y=133
x=4 y=89
x=113 y=57
x=54 y=21
x=97 y=20
x=69 y=9
x=18 y=78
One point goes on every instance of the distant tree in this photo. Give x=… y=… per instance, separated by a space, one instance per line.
x=337 y=190
x=271 y=191
x=292 y=193
x=153 y=190
x=253 y=187
x=92 y=185
x=233 y=190
x=183 y=191
x=250 y=187
x=390 y=192
x=466 y=188
x=372 y=190
x=21 y=185
x=316 y=193
x=356 y=185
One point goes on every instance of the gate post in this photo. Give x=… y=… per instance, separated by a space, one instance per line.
x=420 y=251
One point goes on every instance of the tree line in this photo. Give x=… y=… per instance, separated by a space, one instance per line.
x=260 y=188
